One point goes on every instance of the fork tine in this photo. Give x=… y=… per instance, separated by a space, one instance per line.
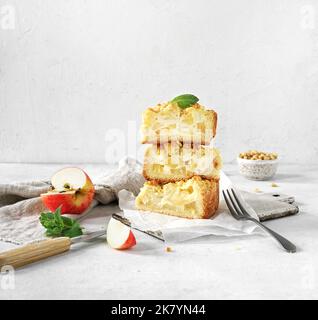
x=244 y=215
x=240 y=204
x=238 y=211
x=234 y=214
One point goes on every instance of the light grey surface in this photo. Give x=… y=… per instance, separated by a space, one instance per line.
x=210 y=268
x=72 y=70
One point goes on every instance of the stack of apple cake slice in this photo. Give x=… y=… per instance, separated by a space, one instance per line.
x=181 y=169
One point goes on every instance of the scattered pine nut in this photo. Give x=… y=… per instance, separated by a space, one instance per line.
x=274 y=185
x=168 y=249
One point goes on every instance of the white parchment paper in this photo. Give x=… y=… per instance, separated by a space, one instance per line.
x=175 y=229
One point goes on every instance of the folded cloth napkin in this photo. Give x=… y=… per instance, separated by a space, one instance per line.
x=20 y=203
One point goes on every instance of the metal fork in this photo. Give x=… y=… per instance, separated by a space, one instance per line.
x=239 y=213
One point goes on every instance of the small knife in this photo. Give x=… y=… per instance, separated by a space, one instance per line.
x=43 y=249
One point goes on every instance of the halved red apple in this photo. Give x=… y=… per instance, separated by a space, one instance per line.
x=72 y=190
x=119 y=236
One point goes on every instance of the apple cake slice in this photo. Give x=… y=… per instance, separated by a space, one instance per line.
x=174 y=162
x=195 y=198
x=168 y=122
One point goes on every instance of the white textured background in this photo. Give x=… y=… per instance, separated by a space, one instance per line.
x=71 y=70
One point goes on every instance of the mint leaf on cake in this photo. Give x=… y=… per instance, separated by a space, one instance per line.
x=185 y=100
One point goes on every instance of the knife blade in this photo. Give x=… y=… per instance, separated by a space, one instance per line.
x=93 y=235
x=155 y=234
x=88 y=237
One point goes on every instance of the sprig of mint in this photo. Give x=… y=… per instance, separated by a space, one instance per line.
x=185 y=100
x=58 y=226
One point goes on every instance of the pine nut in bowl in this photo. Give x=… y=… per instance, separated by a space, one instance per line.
x=256 y=165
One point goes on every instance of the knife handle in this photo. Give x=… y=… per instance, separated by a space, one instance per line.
x=34 y=252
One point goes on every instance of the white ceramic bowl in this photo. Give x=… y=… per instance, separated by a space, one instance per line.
x=257 y=169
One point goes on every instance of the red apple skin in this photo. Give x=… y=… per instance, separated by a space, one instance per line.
x=130 y=242
x=75 y=203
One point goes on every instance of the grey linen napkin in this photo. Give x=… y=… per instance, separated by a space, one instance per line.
x=20 y=203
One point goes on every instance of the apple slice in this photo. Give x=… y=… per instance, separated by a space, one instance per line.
x=72 y=190
x=119 y=236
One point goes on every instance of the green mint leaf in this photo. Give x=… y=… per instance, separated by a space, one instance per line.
x=59 y=226
x=47 y=219
x=185 y=100
x=72 y=228
x=74 y=231
x=58 y=211
x=68 y=222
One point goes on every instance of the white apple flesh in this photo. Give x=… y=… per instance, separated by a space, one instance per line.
x=119 y=236
x=72 y=178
